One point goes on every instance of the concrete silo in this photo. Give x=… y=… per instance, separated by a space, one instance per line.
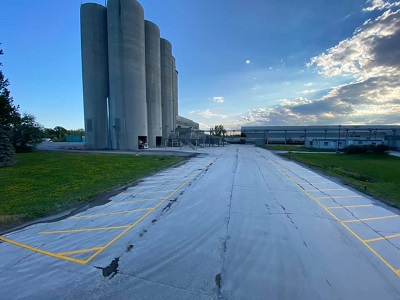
x=95 y=74
x=166 y=87
x=126 y=56
x=153 y=84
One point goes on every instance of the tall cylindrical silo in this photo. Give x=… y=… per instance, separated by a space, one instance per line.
x=127 y=72
x=95 y=74
x=153 y=84
x=166 y=87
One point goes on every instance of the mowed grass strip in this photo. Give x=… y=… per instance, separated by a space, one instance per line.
x=44 y=183
x=381 y=171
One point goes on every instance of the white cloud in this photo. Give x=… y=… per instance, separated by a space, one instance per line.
x=248 y=62
x=308 y=84
x=379 y=5
x=208 y=114
x=219 y=99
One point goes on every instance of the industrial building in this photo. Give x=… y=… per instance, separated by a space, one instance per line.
x=327 y=137
x=130 y=81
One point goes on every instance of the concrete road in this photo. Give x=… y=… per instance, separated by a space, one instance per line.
x=235 y=223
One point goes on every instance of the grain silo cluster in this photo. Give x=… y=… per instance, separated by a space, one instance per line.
x=130 y=82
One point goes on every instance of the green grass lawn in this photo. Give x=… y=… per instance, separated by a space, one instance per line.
x=381 y=171
x=295 y=148
x=43 y=183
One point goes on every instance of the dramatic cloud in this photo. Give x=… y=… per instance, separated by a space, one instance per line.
x=379 y=5
x=218 y=99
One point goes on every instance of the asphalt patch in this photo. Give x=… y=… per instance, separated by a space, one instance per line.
x=111 y=269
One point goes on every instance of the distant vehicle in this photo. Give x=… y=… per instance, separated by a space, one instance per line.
x=143 y=145
x=46 y=140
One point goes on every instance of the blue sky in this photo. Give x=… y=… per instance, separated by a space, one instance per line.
x=240 y=62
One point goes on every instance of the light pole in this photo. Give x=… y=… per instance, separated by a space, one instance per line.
x=338 y=138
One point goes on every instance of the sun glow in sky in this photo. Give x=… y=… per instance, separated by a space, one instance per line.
x=265 y=62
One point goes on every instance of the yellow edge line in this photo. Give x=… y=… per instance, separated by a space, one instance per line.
x=371 y=219
x=343 y=224
x=59 y=256
x=382 y=238
x=143 y=192
x=349 y=206
x=80 y=251
x=338 y=197
x=144 y=216
x=133 y=201
x=323 y=190
x=82 y=230
x=109 y=214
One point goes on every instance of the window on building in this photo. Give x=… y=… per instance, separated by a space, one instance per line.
x=326 y=143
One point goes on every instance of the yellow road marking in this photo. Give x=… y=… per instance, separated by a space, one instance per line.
x=383 y=238
x=339 y=197
x=324 y=190
x=397 y=272
x=84 y=262
x=82 y=230
x=133 y=201
x=80 y=251
x=109 y=214
x=349 y=206
x=371 y=219
x=59 y=256
x=148 y=213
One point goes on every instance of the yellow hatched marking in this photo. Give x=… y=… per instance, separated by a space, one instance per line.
x=397 y=272
x=59 y=256
x=148 y=213
x=383 y=238
x=84 y=262
x=80 y=251
x=339 y=197
x=82 y=230
x=350 y=206
x=371 y=219
x=109 y=214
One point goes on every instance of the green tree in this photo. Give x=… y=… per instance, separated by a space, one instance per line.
x=219 y=130
x=8 y=113
x=26 y=133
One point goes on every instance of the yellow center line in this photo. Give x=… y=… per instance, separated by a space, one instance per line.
x=383 y=238
x=80 y=251
x=349 y=206
x=371 y=219
x=110 y=214
x=397 y=272
x=83 y=230
x=339 y=197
